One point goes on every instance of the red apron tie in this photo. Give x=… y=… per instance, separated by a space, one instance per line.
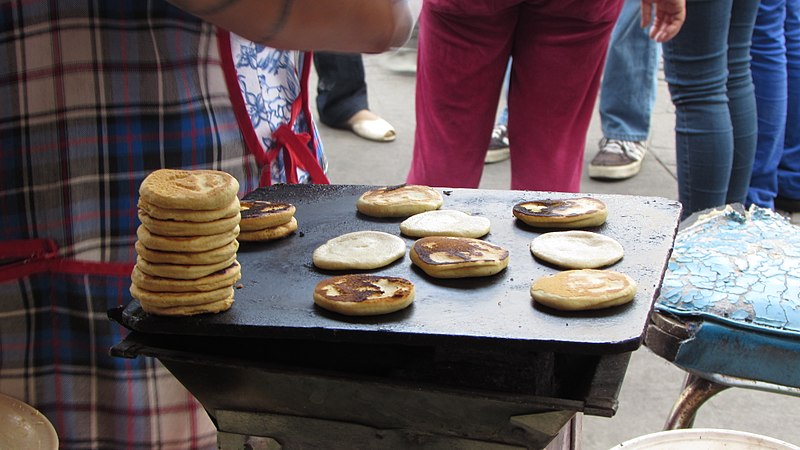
x=31 y=256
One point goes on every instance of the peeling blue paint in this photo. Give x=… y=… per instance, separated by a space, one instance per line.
x=737 y=267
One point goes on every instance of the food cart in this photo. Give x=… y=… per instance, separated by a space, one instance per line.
x=472 y=363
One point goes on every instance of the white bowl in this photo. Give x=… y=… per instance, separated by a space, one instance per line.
x=22 y=427
x=704 y=439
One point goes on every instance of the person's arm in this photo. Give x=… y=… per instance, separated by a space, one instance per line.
x=357 y=26
x=669 y=17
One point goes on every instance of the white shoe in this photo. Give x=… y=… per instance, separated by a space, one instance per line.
x=374 y=130
x=617 y=159
x=368 y=125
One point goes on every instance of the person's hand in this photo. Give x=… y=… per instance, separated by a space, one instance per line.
x=667 y=20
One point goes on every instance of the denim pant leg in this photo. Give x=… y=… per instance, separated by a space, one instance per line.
x=789 y=168
x=770 y=79
x=341 y=89
x=503 y=117
x=741 y=98
x=710 y=104
x=628 y=90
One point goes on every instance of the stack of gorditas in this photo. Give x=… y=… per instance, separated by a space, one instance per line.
x=187 y=242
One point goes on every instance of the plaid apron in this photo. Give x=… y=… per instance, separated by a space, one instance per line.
x=94 y=95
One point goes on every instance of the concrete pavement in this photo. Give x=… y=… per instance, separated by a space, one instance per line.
x=651 y=384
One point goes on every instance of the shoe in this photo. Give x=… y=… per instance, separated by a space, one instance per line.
x=367 y=125
x=787 y=204
x=617 y=160
x=498 y=146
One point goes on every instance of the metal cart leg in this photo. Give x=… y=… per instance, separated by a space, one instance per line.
x=696 y=391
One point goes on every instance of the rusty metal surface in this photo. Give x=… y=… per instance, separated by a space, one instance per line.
x=278 y=277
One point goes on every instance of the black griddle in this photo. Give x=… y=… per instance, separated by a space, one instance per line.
x=275 y=296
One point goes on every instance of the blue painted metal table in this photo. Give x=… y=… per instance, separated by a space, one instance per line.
x=729 y=309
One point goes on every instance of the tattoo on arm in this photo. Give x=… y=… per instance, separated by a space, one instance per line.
x=221 y=5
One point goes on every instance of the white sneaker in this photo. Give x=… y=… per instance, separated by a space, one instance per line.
x=617 y=160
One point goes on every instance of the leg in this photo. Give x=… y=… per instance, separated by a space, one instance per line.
x=627 y=95
x=342 y=89
x=789 y=168
x=550 y=101
x=461 y=60
x=741 y=98
x=498 y=145
x=503 y=118
x=342 y=97
x=628 y=89
x=769 y=77
x=695 y=64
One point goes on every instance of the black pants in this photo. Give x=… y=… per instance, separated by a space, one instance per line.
x=342 y=89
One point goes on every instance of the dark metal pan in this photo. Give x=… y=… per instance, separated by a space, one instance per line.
x=278 y=278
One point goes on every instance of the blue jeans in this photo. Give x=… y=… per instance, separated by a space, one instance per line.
x=628 y=90
x=503 y=118
x=707 y=66
x=776 y=75
x=341 y=87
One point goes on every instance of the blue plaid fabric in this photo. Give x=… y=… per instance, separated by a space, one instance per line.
x=55 y=340
x=94 y=95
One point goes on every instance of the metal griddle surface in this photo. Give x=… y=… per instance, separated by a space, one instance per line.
x=278 y=278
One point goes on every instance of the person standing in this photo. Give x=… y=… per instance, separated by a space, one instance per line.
x=775 y=181
x=707 y=67
x=558 y=50
x=627 y=95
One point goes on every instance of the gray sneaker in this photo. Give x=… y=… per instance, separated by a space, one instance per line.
x=498 y=146
x=617 y=160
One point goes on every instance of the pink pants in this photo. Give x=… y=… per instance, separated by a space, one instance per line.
x=558 y=49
